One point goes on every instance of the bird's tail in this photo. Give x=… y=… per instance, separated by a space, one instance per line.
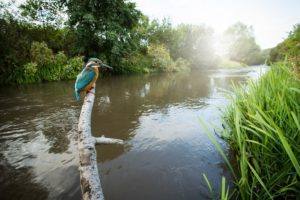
x=77 y=97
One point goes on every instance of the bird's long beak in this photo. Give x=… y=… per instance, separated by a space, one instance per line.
x=105 y=65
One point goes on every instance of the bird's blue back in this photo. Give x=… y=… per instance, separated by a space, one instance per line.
x=84 y=78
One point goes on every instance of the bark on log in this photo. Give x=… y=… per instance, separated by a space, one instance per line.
x=89 y=177
x=105 y=140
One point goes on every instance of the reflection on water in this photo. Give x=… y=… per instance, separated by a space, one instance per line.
x=165 y=152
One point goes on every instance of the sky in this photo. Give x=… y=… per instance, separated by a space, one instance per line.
x=271 y=19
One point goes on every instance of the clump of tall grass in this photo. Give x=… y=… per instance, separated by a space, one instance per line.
x=263 y=128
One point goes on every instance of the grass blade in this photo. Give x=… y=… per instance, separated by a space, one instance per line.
x=209 y=186
x=259 y=180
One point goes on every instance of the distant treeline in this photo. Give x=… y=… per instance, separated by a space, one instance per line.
x=48 y=41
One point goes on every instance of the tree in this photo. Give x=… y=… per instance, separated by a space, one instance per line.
x=161 y=33
x=195 y=44
x=241 y=44
x=190 y=42
x=42 y=12
x=238 y=31
x=103 y=28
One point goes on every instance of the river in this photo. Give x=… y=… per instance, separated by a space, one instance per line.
x=157 y=115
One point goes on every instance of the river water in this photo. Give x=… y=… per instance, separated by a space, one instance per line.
x=165 y=152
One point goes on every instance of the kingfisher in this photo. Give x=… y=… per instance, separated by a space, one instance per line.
x=88 y=76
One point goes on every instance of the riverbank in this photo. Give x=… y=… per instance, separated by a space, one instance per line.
x=47 y=66
x=262 y=126
x=224 y=62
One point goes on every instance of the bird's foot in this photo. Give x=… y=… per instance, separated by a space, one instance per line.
x=90 y=91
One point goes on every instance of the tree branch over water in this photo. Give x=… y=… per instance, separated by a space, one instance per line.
x=89 y=176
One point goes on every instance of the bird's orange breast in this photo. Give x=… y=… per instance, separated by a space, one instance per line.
x=90 y=85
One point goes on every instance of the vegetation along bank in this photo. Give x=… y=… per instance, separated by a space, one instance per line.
x=263 y=128
x=49 y=43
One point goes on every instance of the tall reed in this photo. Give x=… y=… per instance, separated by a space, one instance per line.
x=262 y=126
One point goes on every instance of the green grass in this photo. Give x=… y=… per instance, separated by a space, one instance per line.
x=262 y=127
x=224 y=189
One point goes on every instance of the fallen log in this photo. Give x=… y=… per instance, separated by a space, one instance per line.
x=89 y=177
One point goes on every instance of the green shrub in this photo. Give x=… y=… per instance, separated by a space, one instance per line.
x=160 y=58
x=41 y=54
x=72 y=68
x=181 y=65
x=30 y=70
x=60 y=59
x=290 y=47
x=46 y=66
x=135 y=63
x=44 y=58
x=156 y=59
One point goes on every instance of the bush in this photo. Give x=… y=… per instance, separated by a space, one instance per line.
x=290 y=47
x=160 y=58
x=72 y=68
x=181 y=65
x=22 y=44
x=162 y=61
x=41 y=54
x=60 y=59
x=136 y=62
x=45 y=66
x=30 y=70
x=157 y=59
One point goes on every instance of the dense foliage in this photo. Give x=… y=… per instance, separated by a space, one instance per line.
x=104 y=28
x=44 y=65
x=289 y=48
x=115 y=31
